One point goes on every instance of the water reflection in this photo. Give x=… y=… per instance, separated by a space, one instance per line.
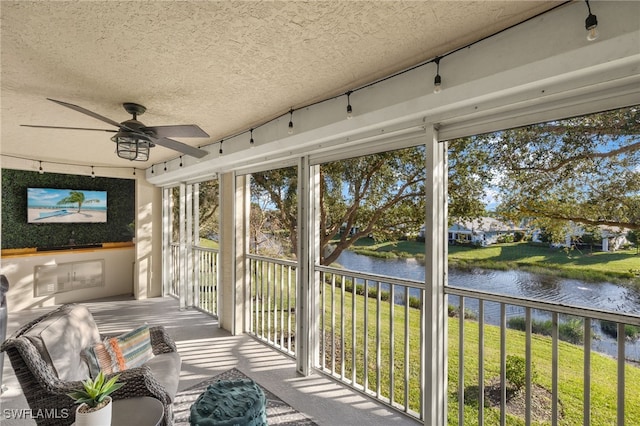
x=602 y=296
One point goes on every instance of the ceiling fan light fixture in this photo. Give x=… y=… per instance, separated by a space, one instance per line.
x=132 y=146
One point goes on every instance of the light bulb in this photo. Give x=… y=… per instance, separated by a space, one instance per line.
x=290 y=121
x=41 y=170
x=437 y=84
x=437 y=81
x=591 y=24
x=251 y=141
x=349 y=112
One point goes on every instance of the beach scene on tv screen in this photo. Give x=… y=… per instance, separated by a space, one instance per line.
x=48 y=205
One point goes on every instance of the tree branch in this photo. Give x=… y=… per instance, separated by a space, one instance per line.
x=613 y=153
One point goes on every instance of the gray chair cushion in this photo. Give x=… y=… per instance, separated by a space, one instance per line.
x=61 y=338
x=166 y=369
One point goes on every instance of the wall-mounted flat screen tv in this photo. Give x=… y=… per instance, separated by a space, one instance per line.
x=48 y=205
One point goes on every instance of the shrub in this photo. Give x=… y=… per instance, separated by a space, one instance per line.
x=516 y=372
x=506 y=238
x=610 y=328
x=454 y=312
x=517 y=323
x=414 y=302
x=572 y=331
x=537 y=327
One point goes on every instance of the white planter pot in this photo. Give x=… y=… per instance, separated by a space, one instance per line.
x=101 y=417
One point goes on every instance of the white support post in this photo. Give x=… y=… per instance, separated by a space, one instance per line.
x=243 y=226
x=234 y=205
x=196 y=242
x=435 y=371
x=189 y=245
x=166 y=241
x=305 y=324
x=314 y=259
x=183 y=247
x=230 y=293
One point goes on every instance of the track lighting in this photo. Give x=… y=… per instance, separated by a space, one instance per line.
x=591 y=24
x=349 y=109
x=291 y=121
x=220 y=150
x=251 y=142
x=437 y=82
x=93 y=174
x=41 y=170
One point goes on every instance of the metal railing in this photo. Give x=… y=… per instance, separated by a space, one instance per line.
x=568 y=332
x=370 y=336
x=203 y=277
x=206 y=282
x=174 y=270
x=273 y=301
x=370 y=333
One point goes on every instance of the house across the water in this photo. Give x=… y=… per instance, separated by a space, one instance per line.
x=482 y=231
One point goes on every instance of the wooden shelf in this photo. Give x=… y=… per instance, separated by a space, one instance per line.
x=34 y=251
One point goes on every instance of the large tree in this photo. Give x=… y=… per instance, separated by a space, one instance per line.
x=208 y=204
x=379 y=195
x=274 y=208
x=209 y=201
x=583 y=170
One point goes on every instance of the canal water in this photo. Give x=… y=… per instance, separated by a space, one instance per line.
x=603 y=296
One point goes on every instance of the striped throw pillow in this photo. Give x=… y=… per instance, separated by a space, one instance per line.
x=130 y=349
x=98 y=359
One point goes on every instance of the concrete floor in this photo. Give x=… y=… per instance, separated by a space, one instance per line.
x=207 y=350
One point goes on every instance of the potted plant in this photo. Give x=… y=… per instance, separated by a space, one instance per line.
x=94 y=400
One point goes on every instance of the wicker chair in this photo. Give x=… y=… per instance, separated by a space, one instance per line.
x=47 y=394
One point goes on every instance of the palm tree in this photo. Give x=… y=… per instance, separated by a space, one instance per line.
x=76 y=197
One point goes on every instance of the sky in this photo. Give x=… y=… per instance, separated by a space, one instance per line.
x=50 y=197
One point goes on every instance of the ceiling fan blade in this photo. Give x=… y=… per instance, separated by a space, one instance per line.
x=87 y=112
x=178 y=131
x=181 y=147
x=68 y=128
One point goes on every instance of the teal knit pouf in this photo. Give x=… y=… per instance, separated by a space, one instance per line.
x=228 y=403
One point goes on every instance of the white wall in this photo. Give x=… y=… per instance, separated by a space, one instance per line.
x=135 y=270
x=147 y=275
x=20 y=273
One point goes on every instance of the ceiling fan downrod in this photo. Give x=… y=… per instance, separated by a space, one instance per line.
x=134 y=109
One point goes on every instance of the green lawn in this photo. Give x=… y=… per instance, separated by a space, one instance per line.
x=208 y=243
x=344 y=335
x=603 y=368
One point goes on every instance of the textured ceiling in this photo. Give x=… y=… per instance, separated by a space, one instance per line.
x=225 y=66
